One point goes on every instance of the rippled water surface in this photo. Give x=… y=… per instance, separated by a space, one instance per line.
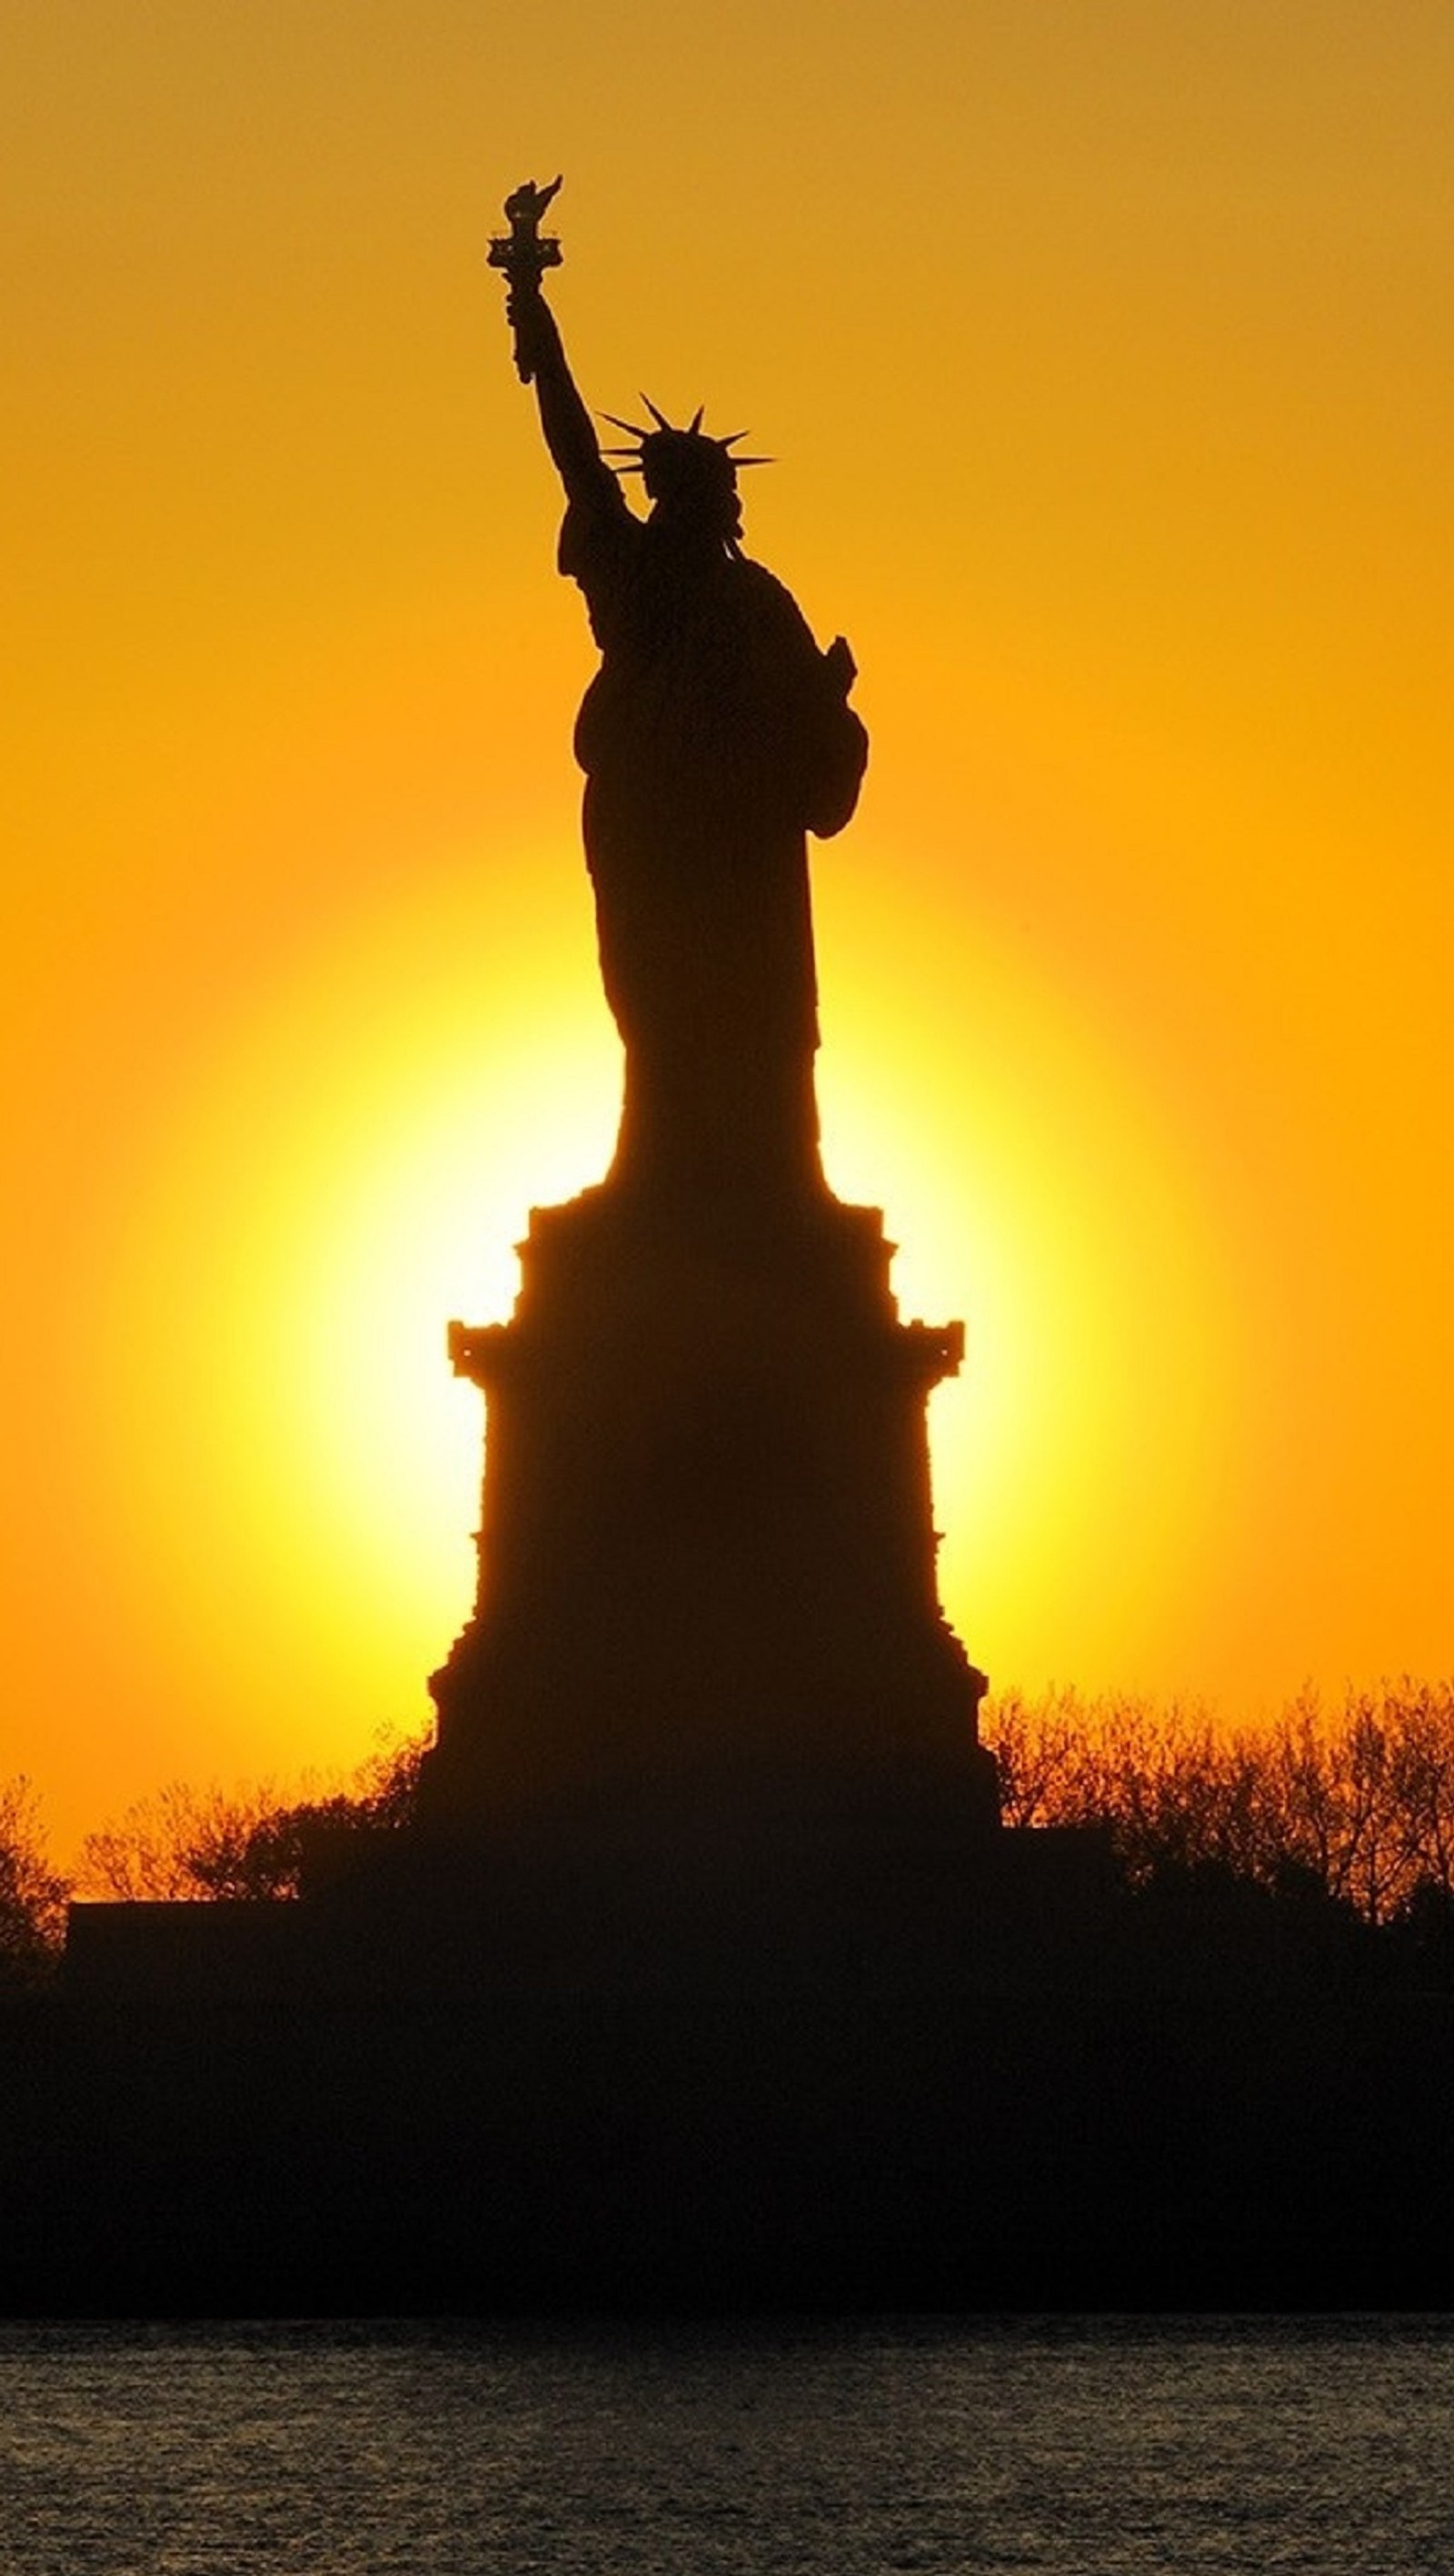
x=1082 y=2447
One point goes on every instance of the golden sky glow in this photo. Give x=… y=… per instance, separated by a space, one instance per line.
x=1105 y=348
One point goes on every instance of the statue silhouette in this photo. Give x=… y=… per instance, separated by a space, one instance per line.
x=714 y=738
x=706 y=1545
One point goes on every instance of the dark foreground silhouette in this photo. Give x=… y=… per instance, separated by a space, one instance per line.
x=785 y=2086
x=1164 y=2061
x=704 y=1972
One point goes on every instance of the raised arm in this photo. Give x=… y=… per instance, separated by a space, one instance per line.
x=524 y=254
x=569 y=431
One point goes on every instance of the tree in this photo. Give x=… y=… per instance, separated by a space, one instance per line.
x=1359 y=1806
x=250 y=1844
x=32 y=1894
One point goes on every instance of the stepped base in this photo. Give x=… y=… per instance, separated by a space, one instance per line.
x=707 y=1552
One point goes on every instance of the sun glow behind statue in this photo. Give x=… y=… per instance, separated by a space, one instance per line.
x=354 y=1164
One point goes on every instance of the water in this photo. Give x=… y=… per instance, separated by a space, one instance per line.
x=1078 y=2447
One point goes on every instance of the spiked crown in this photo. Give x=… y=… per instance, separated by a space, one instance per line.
x=679 y=464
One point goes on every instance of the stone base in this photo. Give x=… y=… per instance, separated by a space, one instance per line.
x=707 y=1558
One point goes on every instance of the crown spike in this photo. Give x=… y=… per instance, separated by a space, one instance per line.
x=659 y=417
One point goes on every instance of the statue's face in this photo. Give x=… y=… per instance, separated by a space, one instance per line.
x=692 y=486
x=715 y=516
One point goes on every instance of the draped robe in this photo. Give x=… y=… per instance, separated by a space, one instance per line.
x=714 y=737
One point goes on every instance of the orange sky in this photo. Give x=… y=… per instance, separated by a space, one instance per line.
x=1105 y=349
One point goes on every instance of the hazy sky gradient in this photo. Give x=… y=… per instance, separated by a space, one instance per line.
x=1106 y=352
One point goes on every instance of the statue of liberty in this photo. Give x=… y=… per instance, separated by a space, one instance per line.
x=714 y=738
x=707 y=1550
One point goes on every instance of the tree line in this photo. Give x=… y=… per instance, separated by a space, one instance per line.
x=1355 y=1806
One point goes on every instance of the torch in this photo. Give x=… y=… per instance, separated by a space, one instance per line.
x=524 y=252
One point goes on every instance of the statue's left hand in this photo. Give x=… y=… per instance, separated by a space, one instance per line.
x=839 y=665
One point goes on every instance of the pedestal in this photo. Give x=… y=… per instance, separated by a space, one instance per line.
x=707 y=1614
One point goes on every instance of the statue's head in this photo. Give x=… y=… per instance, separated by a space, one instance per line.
x=690 y=477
